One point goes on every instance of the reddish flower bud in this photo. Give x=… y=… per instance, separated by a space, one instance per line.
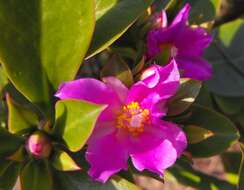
x=39 y=145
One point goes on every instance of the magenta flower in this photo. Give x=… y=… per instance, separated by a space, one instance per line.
x=185 y=44
x=131 y=126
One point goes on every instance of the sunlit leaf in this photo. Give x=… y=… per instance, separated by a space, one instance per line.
x=63 y=162
x=19 y=117
x=75 y=121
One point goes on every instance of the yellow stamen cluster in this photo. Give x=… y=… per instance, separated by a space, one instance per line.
x=133 y=118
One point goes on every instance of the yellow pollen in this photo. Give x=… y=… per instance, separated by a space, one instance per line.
x=133 y=118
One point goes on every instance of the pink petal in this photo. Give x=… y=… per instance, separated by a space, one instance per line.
x=119 y=88
x=156 y=159
x=160 y=20
x=161 y=155
x=88 y=89
x=162 y=81
x=194 y=67
x=182 y=16
x=192 y=41
x=106 y=157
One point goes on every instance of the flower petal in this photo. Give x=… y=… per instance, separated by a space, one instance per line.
x=194 y=67
x=182 y=16
x=164 y=154
x=106 y=157
x=192 y=41
x=87 y=89
x=163 y=82
x=119 y=88
x=156 y=159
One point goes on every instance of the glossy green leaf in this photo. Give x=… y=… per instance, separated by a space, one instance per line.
x=226 y=55
x=20 y=118
x=185 y=174
x=118 y=68
x=184 y=97
x=197 y=134
x=63 y=162
x=223 y=130
x=8 y=177
x=36 y=176
x=113 y=18
x=8 y=143
x=42 y=43
x=75 y=121
x=79 y=181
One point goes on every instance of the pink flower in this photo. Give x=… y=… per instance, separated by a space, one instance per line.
x=184 y=44
x=131 y=126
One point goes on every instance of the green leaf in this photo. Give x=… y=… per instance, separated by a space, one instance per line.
x=185 y=96
x=8 y=143
x=3 y=79
x=202 y=10
x=118 y=68
x=197 y=134
x=42 y=43
x=75 y=121
x=63 y=162
x=232 y=162
x=8 y=177
x=241 y=171
x=230 y=105
x=185 y=174
x=114 y=17
x=223 y=130
x=36 y=176
x=227 y=60
x=79 y=181
x=20 y=118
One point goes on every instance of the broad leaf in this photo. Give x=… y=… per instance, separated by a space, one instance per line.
x=113 y=18
x=75 y=121
x=223 y=132
x=118 y=68
x=36 y=176
x=185 y=96
x=63 y=162
x=42 y=43
x=230 y=105
x=79 y=181
x=9 y=176
x=8 y=143
x=185 y=174
x=197 y=134
x=20 y=118
x=227 y=60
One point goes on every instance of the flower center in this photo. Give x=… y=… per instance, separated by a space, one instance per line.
x=169 y=50
x=133 y=118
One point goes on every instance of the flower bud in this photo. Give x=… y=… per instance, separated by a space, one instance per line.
x=39 y=145
x=159 y=20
